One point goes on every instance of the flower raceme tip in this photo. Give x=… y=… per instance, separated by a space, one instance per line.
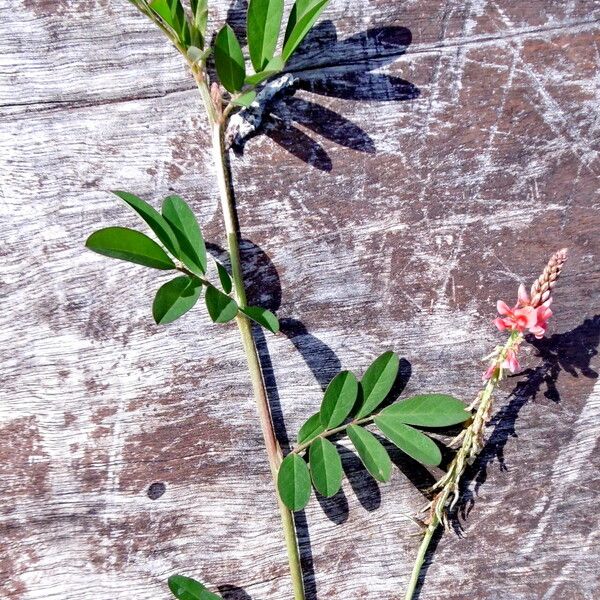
x=530 y=313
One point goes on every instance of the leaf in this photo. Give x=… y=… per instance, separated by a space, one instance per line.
x=275 y=65
x=172 y=13
x=221 y=307
x=187 y=231
x=154 y=219
x=200 y=15
x=263 y=317
x=339 y=399
x=325 y=467
x=311 y=428
x=130 y=245
x=293 y=482
x=302 y=18
x=298 y=10
x=196 y=55
x=409 y=440
x=429 y=410
x=377 y=382
x=224 y=277
x=186 y=588
x=264 y=22
x=175 y=298
x=229 y=60
x=371 y=452
x=245 y=99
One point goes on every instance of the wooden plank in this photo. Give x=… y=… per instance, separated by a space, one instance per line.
x=439 y=154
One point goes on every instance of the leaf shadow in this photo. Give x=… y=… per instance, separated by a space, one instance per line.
x=326 y=66
x=232 y=592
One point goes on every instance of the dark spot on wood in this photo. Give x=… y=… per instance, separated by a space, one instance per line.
x=156 y=490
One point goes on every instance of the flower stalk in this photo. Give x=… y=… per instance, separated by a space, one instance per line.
x=532 y=314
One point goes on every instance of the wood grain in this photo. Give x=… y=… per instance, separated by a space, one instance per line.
x=436 y=156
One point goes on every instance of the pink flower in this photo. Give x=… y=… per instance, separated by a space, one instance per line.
x=511 y=362
x=490 y=372
x=515 y=318
x=524 y=315
x=543 y=313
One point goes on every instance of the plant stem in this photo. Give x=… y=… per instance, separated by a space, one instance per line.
x=245 y=327
x=472 y=443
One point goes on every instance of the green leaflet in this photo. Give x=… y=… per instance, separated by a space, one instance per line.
x=186 y=588
x=339 y=399
x=311 y=428
x=172 y=13
x=409 y=440
x=302 y=18
x=130 y=245
x=229 y=60
x=429 y=410
x=325 y=467
x=224 y=277
x=200 y=17
x=221 y=307
x=245 y=99
x=264 y=23
x=263 y=317
x=298 y=11
x=373 y=455
x=175 y=298
x=187 y=231
x=275 y=65
x=154 y=219
x=293 y=482
x=377 y=382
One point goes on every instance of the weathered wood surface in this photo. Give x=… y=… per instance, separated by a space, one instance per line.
x=441 y=153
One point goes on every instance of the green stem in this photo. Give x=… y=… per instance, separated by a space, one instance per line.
x=470 y=447
x=245 y=327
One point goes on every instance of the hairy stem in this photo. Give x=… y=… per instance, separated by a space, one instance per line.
x=244 y=325
x=472 y=442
